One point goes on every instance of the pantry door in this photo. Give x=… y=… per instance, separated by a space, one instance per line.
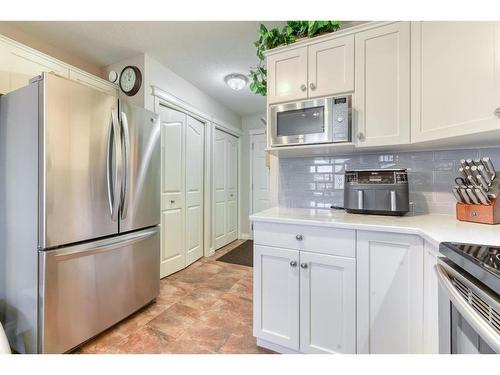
x=260 y=174
x=195 y=141
x=225 y=188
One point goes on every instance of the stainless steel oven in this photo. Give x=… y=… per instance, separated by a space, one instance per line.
x=322 y=120
x=469 y=303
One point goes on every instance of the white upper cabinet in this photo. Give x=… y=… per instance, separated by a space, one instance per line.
x=331 y=66
x=382 y=100
x=320 y=69
x=287 y=76
x=19 y=64
x=455 y=78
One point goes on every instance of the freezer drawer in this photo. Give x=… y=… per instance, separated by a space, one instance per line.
x=88 y=288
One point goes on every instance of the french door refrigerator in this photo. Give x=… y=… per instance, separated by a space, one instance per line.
x=79 y=213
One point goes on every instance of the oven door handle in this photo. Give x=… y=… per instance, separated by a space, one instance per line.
x=482 y=328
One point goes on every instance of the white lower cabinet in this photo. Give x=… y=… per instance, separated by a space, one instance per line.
x=304 y=301
x=276 y=296
x=389 y=293
x=327 y=304
x=431 y=286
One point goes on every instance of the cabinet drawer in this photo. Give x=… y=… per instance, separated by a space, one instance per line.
x=333 y=241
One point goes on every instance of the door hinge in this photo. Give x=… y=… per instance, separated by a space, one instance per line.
x=252 y=146
x=252 y=186
x=252 y=227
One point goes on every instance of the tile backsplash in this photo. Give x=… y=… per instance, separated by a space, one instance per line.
x=319 y=181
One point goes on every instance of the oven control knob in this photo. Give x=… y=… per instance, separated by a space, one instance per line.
x=340 y=119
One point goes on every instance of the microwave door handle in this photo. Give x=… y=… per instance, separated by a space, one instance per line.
x=480 y=326
x=126 y=168
x=393 y=200
x=113 y=175
x=360 y=200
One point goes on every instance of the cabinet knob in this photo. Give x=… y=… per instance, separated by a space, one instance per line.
x=172 y=201
x=312 y=86
x=303 y=265
x=303 y=87
x=299 y=237
x=361 y=136
x=293 y=263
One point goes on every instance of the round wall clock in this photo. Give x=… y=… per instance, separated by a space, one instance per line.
x=130 y=80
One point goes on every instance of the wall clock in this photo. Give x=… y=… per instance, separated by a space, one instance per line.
x=130 y=80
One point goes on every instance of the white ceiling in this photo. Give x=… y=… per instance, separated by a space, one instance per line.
x=201 y=52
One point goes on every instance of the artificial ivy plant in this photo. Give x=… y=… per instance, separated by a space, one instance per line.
x=269 y=39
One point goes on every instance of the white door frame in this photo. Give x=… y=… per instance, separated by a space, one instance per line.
x=252 y=133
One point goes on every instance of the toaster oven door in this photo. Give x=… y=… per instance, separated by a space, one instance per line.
x=298 y=123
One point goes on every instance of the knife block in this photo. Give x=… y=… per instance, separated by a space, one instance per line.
x=478 y=213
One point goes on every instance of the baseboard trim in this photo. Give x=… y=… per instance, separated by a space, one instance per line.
x=275 y=347
x=245 y=236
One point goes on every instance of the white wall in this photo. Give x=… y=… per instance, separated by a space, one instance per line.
x=247 y=123
x=138 y=61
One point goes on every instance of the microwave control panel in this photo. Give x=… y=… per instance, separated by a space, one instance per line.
x=341 y=112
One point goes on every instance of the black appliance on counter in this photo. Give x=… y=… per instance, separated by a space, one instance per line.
x=377 y=191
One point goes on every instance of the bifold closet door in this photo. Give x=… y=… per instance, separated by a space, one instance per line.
x=195 y=140
x=226 y=188
x=183 y=147
x=173 y=254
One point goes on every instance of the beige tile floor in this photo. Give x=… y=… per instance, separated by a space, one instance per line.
x=205 y=308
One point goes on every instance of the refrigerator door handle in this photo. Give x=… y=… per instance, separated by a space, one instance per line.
x=126 y=158
x=113 y=179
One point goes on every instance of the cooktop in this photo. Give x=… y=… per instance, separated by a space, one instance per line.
x=481 y=261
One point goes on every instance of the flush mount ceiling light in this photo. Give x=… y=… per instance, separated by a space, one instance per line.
x=236 y=81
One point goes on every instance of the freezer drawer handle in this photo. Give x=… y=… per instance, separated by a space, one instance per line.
x=482 y=328
x=126 y=158
x=86 y=250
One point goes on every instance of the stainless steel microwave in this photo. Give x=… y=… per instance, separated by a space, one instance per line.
x=322 y=120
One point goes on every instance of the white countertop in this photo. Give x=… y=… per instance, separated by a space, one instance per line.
x=433 y=228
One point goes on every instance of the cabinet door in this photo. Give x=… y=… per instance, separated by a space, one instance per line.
x=287 y=76
x=19 y=65
x=195 y=136
x=92 y=81
x=382 y=100
x=389 y=293
x=173 y=254
x=327 y=304
x=431 y=316
x=276 y=296
x=331 y=67
x=455 y=78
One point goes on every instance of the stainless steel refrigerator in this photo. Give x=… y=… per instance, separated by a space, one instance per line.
x=79 y=213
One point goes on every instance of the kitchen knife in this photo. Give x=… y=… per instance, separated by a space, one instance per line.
x=469 y=162
x=489 y=165
x=465 y=196
x=485 y=174
x=472 y=196
x=462 y=173
x=482 y=197
x=457 y=195
x=463 y=163
x=473 y=174
x=481 y=184
x=467 y=171
x=477 y=162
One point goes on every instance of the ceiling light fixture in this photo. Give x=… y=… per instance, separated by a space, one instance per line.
x=236 y=81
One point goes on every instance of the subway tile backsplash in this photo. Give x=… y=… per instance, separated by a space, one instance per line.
x=318 y=182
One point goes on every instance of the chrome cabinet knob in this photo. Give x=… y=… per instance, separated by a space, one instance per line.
x=293 y=263
x=172 y=201
x=303 y=87
x=312 y=86
x=299 y=237
x=303 y=265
